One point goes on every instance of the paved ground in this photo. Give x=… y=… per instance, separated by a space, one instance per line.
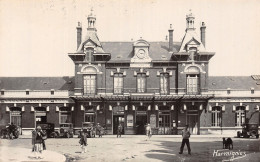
x=159 y=148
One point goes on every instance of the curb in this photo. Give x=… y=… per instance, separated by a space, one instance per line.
x=24 y=154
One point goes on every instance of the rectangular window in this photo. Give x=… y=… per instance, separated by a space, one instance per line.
x=89 y=117
x=240 y=116
x=164 y=83
x=90 y=84
x=118 y=83
x=216 y=116
x=89 y=53
x=16 y=117
x=141 y=82
x=193 y=84
x=65 y=117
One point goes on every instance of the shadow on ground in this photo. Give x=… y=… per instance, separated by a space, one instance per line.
x=204 y=151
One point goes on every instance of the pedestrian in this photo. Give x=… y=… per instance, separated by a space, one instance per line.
x=148 y=131
x=119 y=130
x=185 y=140
x=37 y=142
x=83 y=141
x=99 y=130
x=33 y=139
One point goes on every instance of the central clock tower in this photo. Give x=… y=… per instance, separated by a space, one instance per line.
x=141 y=56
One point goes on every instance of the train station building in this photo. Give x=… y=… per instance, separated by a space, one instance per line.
x=163 y=83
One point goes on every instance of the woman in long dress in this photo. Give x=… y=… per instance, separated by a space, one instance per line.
x=37 y=141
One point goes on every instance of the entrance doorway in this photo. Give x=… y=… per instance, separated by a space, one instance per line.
x=40 y=117
x=192 y=121
x=141 y=121
x=164 y=123
x=117 y=119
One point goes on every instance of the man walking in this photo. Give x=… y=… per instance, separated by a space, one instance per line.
x=185 y=139
x=119 y=130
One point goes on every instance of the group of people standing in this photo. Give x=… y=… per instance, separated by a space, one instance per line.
x=39 y=137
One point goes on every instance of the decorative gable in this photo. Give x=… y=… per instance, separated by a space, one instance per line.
x=141 y=56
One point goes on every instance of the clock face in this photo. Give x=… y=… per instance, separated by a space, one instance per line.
x=141 y=53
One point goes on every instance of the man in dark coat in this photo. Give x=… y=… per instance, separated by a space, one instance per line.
x=119 y=130
x=185 y=139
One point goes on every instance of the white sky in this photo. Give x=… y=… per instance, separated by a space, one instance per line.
x=36 y=36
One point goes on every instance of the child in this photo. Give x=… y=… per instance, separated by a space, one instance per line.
x=83 y=141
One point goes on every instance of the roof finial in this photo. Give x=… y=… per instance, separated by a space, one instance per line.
x=91 y=11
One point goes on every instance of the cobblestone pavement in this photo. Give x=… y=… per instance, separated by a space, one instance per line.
x=159 y=148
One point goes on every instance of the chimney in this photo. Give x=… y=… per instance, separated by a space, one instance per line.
x=79 y=34
x=202 y=33
x=170 y=39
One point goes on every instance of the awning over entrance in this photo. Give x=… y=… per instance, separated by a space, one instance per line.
x=140 y=97
x=202 y=97
x=87 y=98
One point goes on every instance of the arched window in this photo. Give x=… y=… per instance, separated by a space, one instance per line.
x=193 y=80
x=90 y=69
x=216 y=116
x=89 y=80
x=240 y=115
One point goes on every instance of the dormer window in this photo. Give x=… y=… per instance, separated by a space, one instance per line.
x=89 y=54
x=193 y=53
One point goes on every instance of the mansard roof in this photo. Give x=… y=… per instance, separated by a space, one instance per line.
x=123 y=51
x=37 y=83
x=233 y=82
x=188 y=37
x=91 y=36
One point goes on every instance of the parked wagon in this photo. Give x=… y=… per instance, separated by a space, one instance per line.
x=65 y=131
x=249 y=130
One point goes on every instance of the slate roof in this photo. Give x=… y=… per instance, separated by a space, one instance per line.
x=233 y=82
x=190 y=35
x=37 y=83
x=256 y=77
x=123 y=51
x=91 y=35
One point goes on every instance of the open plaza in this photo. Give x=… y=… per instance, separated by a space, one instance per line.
x=134 y=148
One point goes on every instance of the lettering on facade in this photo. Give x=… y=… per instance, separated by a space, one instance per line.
x=141 y=112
